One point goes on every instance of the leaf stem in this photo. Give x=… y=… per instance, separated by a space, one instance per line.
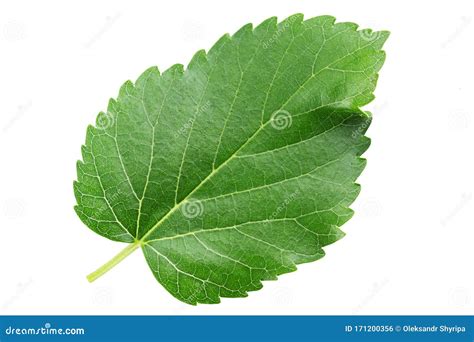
x=113 y=262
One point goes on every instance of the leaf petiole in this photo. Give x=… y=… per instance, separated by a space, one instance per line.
x=113 y=262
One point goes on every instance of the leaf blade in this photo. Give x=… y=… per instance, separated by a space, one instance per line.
x=246 y=135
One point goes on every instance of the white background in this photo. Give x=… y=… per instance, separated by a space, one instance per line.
x=409 y=248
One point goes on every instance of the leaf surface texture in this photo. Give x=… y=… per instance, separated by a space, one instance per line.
x=241 y=166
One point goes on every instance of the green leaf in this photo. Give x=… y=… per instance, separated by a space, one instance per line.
x=240 y=167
